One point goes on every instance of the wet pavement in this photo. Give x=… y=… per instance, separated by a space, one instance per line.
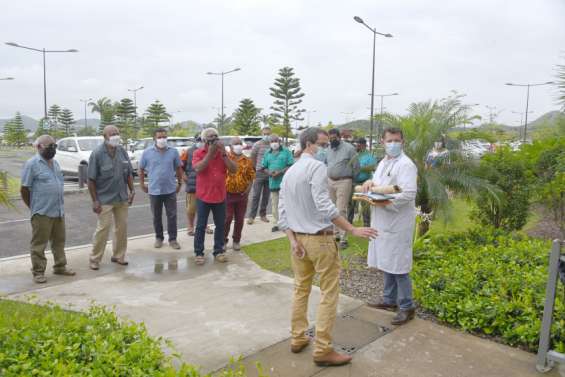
x=219 y=310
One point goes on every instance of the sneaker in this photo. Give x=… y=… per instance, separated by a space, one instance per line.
x=119 y=261
x=236 y=246
x=174 y=244
x=332 y=359
x=190 y=233
x=264 y=219
x=221 y=258
x=275 y=229
x=200 y=260
x=40 y=279
x=250 y=221
x=158 y=243
x=94 y=266
x=65 y=272
x=403 y=316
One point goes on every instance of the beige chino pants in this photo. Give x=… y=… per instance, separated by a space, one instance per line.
x=119 y=213
x=322 y=257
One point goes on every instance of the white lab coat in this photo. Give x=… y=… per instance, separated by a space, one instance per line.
x=391 y=251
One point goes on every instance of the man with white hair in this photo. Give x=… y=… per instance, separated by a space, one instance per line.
x=211 y=164
x=42 y=192
x=110 y=174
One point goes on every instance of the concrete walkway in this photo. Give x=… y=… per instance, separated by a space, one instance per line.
x=221 y=310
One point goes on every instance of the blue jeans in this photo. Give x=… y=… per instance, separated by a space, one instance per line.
x=398 y=290
x=219 y=215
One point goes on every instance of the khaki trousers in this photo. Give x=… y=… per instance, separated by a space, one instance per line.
x=340 y=193
x=43 y=230
x=119 y=211
x=275 y=206
x=321 y=257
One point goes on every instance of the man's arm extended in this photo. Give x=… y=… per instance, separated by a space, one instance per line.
x=26 y=195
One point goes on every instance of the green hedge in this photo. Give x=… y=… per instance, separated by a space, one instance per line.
x=49 y=341
x=488 y=282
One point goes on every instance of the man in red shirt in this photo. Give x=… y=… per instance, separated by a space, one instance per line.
x=211 y=164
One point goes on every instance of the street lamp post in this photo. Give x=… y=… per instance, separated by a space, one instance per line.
x=223 y=73
x=85 y=101
x=375 y=32
x=135 y=103
x=43 y=51
x=528 y=100
x=379 y=128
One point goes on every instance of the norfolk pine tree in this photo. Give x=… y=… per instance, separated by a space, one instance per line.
x=67 y=120
x=125 y=115
x=156 y=113
x=288 y=95
x=53 y=114
x=247 y=118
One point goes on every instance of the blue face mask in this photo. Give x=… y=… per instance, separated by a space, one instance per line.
x=393 y=148
x=321 y=154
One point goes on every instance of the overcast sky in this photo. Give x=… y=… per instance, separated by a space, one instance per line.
x=472 y=46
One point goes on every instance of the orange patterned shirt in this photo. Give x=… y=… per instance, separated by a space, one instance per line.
x=238 y=182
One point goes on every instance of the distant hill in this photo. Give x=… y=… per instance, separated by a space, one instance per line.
x=548 y=119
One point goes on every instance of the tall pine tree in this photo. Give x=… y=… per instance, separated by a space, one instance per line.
x=125 y=115
x=247 y=118
x=156 y=113
x=42 y=128
x=53 y=114
x=288 y=95
x=67 y=122
x=14 y=131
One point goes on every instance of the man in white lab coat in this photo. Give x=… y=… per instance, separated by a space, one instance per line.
x=395 y=220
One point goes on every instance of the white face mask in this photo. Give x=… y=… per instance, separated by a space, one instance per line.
x=275 y=145
x=114 y=141
x=161 y=142
x=237 y=149
x=199 y=145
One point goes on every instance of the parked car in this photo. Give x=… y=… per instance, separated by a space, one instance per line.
x=180 y=143
x=74 y=151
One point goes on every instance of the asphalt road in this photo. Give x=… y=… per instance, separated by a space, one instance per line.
x=15 y=227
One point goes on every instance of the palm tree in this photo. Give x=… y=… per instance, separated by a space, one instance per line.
x=100 y=105
x=426 y=123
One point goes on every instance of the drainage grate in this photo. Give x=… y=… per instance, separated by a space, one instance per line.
x=352 y=333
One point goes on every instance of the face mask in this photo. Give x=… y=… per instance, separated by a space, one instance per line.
x=393 y=148
x=275 y=145
x=199 y=145
x=237 y=149
x=334 y=143
x=49 y=152
x=267 y=138
x=114 y=141
x=211 y=140
x=161 y=142
x=320 y=154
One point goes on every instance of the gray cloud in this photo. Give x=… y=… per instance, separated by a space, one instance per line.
x=471 y=46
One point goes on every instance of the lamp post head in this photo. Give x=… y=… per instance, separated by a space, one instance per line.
x=550 y=82
x=141 y=87
x=358 y=19
x=209 y=73
x=72 y=50
x=237 y=69
x=7 y=78
x=394 y=94
x=509 y=84
x=388 y=35
x=12 y=44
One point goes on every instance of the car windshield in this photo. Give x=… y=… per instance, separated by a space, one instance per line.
x=89 y=144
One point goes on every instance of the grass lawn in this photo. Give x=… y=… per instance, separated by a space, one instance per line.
x=274 y=255
x=14 y=313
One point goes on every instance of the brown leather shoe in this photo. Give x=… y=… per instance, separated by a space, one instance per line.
x=382 y=305
x=297 y=348
x=332 y=359
x=403 y=316
x=119 y=261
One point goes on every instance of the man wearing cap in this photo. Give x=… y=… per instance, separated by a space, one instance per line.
x=42 y=192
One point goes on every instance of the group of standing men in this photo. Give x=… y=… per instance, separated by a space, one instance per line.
x=310 y=202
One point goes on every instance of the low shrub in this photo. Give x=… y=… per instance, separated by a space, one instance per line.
x=487 y=281
x=50 y=341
